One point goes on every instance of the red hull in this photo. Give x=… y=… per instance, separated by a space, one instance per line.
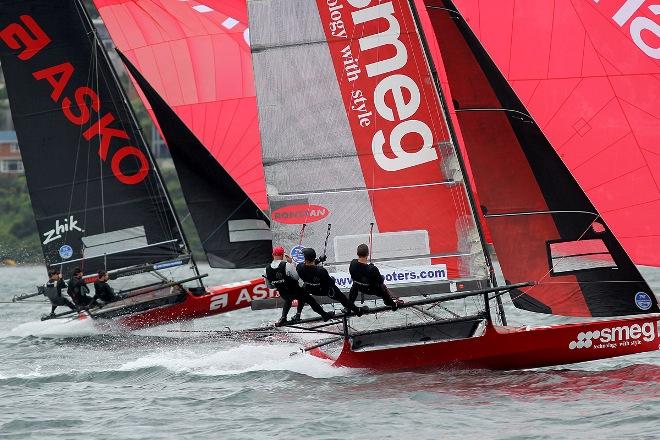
x=217 y=300
x=508 y=348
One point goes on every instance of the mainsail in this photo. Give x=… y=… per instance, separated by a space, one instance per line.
x=196 y=55
x=356 y=148
x=587 y=71
x=234 y=232
x=543 y=226
x=98 y=200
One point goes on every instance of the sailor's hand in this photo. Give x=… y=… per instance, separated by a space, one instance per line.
x=288 y=258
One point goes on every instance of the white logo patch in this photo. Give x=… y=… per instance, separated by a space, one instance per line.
x=68 y=224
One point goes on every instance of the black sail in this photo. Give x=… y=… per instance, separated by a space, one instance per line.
x=96 y=193
x=234 y=232
x=544 y=228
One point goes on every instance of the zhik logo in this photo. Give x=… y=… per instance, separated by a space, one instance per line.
x=68 y=224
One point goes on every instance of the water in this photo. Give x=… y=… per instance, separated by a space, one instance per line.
x=62 y=381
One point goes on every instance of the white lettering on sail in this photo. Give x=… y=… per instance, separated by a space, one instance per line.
x=68 y=224
x=641 y=24
x=394 y=85
x=638 y=25
x=389 y=36
x=337 y=27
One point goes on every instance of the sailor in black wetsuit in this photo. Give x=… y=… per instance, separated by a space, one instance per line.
x=317 y=281
x=78 y=290
x=282 y=275
x=102 y=289
x=368 y=280
x=53 y=291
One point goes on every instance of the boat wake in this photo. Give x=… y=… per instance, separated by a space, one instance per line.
x=63 y=328
x=237 y=360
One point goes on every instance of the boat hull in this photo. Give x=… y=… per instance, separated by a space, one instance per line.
x=508 y=348
x=186 y=306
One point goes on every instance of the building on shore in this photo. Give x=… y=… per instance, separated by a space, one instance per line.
x=10 y=155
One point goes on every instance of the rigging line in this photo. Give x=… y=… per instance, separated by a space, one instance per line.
x=384 y=260
x=540 y=280
x=274 y=161
x=371 y=241
x=515 y=214
x=265 y=48
x=586 y=254
x=525 y=118
x=302 y=233
x=100 y=162
x=357 y=189
x=591 y=282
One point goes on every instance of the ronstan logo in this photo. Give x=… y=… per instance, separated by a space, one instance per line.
x=30 y=39
x=68 y=224
x=300 y=214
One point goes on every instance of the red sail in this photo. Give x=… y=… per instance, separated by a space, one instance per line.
x=543 y=226
x=588 y=71
x=197 y=57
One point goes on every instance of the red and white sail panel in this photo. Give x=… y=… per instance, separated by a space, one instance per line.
x=196 y=54
x=588 y=71
x=355 y=143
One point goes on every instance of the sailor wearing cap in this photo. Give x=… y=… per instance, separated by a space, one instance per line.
x=282 y=275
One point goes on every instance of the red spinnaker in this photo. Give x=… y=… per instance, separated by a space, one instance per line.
x=589 y=73
x=197 y=57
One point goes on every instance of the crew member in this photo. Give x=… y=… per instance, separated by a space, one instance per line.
x=282 y=275
x=102 y=289
x=53 y=291
x=368 y=280
x=78 y=290
x=317 y=281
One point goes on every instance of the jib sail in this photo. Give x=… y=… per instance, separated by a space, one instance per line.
x=543 y=226
x=587 y=71
x=233 y=231
x=355 y=145
x=97 y=197
x=196 y=55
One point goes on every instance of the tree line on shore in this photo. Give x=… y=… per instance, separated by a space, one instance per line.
x=19 y=239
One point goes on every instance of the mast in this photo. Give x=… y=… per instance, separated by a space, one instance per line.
x=159 y=177
x=468 y=186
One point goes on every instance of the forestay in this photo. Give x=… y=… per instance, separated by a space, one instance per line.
x=97 y=197
x=355 y=143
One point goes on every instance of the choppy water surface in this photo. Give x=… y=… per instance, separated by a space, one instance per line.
x=59 y=380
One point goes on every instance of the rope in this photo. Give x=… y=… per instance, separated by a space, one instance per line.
x=371 y=240
x=302 y=233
